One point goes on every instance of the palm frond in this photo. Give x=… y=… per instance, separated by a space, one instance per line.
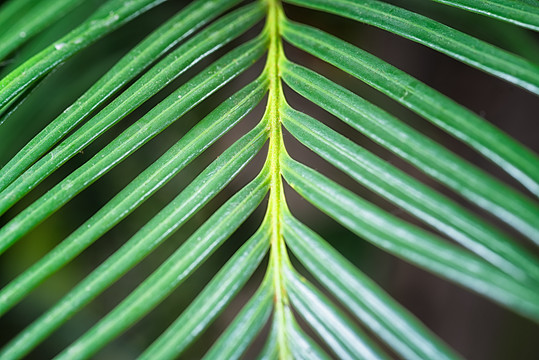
x=315 y=302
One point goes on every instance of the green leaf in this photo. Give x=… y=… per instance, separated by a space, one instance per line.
x=515 y=12
x=49 y=35
x=433 y=159
x=435 y=35
x=344 y=313
x=148 y=182
x=132 y=64
x=461 y=123
x=157 y=119
x=212 y=300
x=301 y=345
x=9 y=10
x=106 y=19
x=217 y=35
x=241 y=332
x=175 y=269
x=345 y=339
x=192 y=253
x=30 y=21
x=370 y=304
x=409 y=242
x=11 y=107
x=270 y=350
x=427 y=205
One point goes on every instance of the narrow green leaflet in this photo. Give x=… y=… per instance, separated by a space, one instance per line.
x=409 y=242
x=9 y=10
x=157 y=119
x=174 y=270
x=132 y=64
x=368 y=302
x=212 y=300
x=241 y=332
x=515 y=12
x=466 y=126
x=209 y=40
x=11 y=107
x=301 y=345
x=435 y=35
x=420 y=200
x=148 y=182
x=345 y=339
x=194 y=251
x=106 y=19
x=32 y=21
x=270 y=350
x=49 y=35
x=430 y=157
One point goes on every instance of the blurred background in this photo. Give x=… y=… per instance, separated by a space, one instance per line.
x=476 y=328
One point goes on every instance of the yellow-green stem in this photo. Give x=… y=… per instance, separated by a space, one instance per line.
x=275 y=101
